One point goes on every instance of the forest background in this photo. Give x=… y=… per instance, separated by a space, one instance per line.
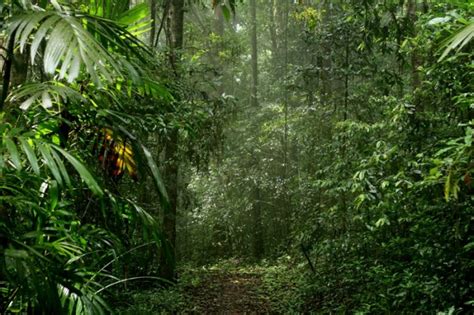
x=327 y=142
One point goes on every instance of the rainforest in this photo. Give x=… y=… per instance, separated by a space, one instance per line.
x=236 y=157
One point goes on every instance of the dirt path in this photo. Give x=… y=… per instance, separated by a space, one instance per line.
x=229 y=292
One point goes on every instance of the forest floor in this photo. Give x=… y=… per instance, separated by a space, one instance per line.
x=219 y=289
x=229 y=292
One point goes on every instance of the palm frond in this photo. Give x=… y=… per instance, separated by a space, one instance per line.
x=47 y=94
x=63 y=288
x=35 y=150
x=76 y=40
x=136 y=19
x=458 y=40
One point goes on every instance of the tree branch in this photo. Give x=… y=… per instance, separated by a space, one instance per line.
x=166 y=7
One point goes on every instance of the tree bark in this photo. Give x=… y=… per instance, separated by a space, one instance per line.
x=273 y=30
x=258 y=243
x=219 y=28
x=286 y=99
x=219 y=20
x=174 y=34
x=415 y=58
x=254 y=56
x=326 y=55
x=175 y=31
x=154 y=15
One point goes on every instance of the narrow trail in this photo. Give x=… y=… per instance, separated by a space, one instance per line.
x=229 y=292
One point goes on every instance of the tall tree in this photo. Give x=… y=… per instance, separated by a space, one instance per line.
x=258 y=245
x=174 y=34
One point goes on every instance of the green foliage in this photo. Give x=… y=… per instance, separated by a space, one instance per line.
x=350 y=184
x=359 y=158
x=459 y=39
x=160 y=301
x=286 y=287
x=63 y=226
x=71 y=43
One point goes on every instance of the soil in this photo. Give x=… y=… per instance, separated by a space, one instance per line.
x=228 y=292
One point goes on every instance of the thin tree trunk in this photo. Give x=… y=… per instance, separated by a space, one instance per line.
x=219 y=20
x=174 y=27
x=219 y=28
x=154 y=15
x=346 y=80
x=415 y=58
x=156 y=36
x=168 y=253
x=326 y=57
x=254 y=56
x=287 y=197
x=258 y=245
x=273 y=30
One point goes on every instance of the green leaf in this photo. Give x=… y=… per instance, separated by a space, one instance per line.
x=226 y=12
x=13 y=151
x=16 y=253
x=458 y=40
x=82 y=170
x=45 y=93
x=135 y=14
x=62 y=168
x=53 y=194
x=439 y=20
x=156 y=176
x=468 y=137
x=451 y=187
x=30 y=154
x=382 y=221
x=49 y=160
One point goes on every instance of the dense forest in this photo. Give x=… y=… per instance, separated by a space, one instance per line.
x=236 y=157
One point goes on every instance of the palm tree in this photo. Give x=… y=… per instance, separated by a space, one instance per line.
x=82 y=66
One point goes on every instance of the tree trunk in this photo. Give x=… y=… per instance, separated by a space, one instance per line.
x=285 y=97
x=219 y=28
x=273 y=30
x=219 y=21
x=154 y=15
x=258 y=244
x=168 y=252
x=174 y=34
x=326 y=55
x=415 y=58
x=174 y=27
x=254 y=56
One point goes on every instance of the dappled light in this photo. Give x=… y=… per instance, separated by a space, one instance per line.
x=236 y=157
